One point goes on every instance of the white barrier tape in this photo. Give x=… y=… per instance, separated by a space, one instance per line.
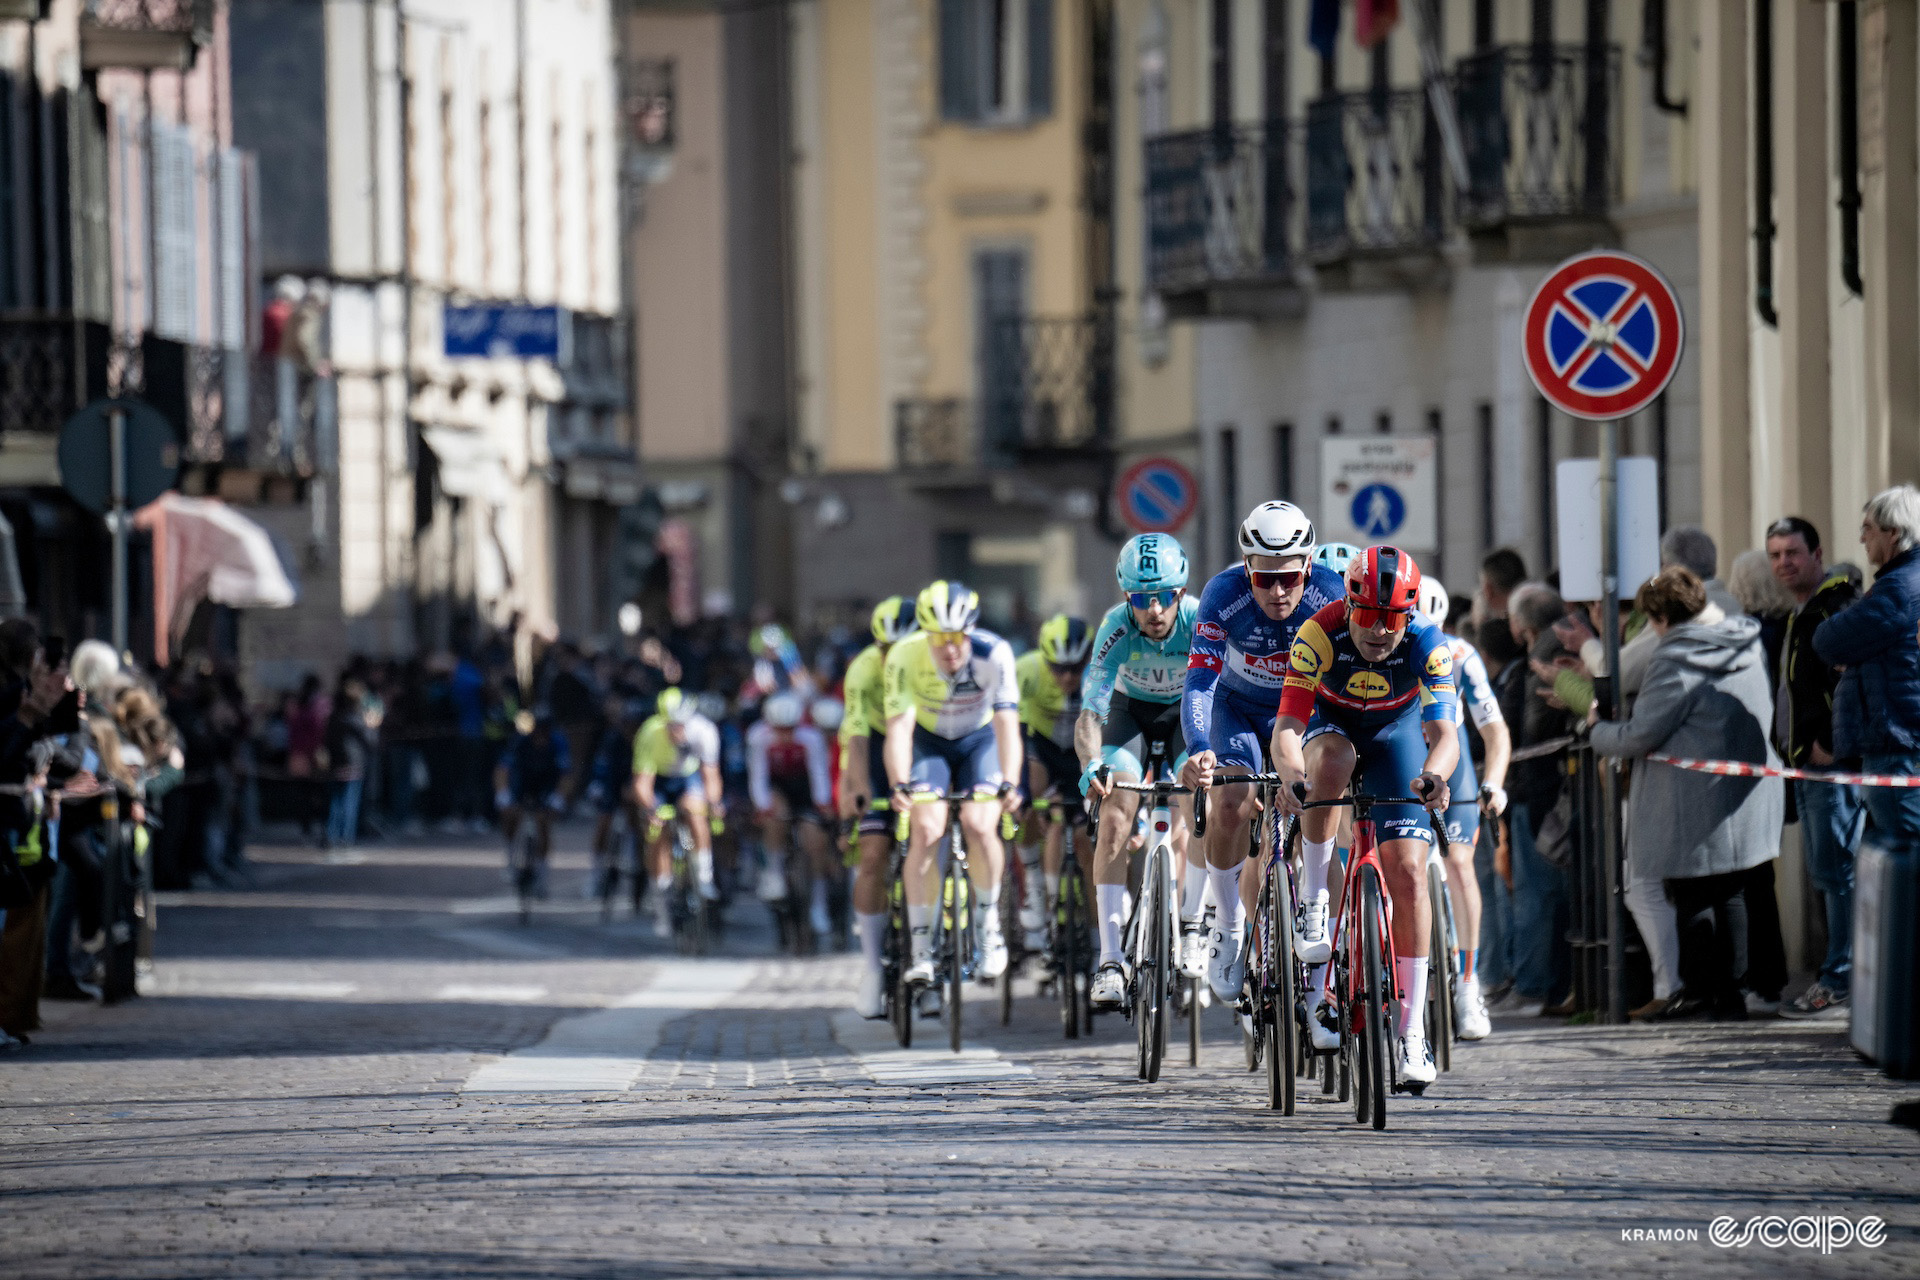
x=1735 y=769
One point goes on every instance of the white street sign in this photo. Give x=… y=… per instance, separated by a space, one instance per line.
x=1576 y=500
x=1379 y=489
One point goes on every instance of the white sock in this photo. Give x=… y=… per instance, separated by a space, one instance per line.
x=920 y=929
x=1193 y=891
x=1315 y=857
x=703 y=864
x=1410 y=973
x=663 y=882
x=873 y=932
x=1226 y=898
x=1053 y=885
x=1316 y=984
x=820 y=895
x=1111 y=899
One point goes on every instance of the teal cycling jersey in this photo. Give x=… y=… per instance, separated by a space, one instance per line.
x=1125 y=659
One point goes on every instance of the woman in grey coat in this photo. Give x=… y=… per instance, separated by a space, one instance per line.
x=1711 y=839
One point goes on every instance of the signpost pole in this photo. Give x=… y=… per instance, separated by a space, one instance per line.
x=1614 y=707
x=117 y=519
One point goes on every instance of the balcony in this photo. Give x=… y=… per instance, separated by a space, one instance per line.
x=1048 y=387
x=1376 y=187
x=144 y=35
x=934 y=434
x=1223 y=222
x=1541 y=128
x=49 y=367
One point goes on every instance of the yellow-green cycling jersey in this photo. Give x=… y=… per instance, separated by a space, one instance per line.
x=655 y=752
x=951 y=706
x=865 y=694
x=1045 y=708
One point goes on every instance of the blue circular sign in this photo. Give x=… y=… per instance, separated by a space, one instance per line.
x=1378 y=510
x=1157 y=495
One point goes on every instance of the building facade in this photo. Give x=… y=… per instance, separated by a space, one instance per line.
x=422 y=161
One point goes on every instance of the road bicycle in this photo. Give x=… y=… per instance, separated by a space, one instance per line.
x=1071 y=949
x=523 y=864
x=688 y=910
x=1271 y=1001
x=955 y=961
x=618 y=855
x=1152 y=934
x=1443 y=952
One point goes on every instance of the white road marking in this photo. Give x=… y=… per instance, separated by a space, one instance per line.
x=881 y=1057
x=503 y=943
x=282 y=990
x=503 y=992
x=605 y=1051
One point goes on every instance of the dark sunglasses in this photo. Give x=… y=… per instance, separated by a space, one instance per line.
x=1146 y=599
x=1276 y=579
x=1362 y=616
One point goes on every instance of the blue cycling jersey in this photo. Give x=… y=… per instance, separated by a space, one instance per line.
x=1237 y=648
x=1124 y=658
x=535 y=771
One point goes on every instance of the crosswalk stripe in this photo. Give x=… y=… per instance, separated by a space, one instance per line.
x=880 y=1056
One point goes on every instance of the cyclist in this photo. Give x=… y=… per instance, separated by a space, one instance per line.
x=953 y=725
x=1369 y=698
x=1050 y=677
x=530 y=781
x=610 y=778
x=1241 y=637
x=863 y=775
x=1133 y=701
x=676 y=761
x=1469 y=797
x=787 y=782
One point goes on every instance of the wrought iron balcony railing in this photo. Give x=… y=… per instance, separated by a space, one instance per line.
x=1222 y=207
x=1048 y=385
x=934 y=433
x=1376 y=180
x=49 y=367
x=144 y=34
x=1541 y=128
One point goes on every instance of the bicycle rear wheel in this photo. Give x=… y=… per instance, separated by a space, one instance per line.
x=898 y=946
x=524 y=870
x=1374 y=989
x=1069 y=939
x=1441 y=976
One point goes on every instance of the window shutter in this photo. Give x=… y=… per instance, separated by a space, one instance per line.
x=175 y=244
x=232 y=249
x=1039 y=59
x=960 y=78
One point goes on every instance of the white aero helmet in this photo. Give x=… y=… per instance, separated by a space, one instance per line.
x=827 y=714
x=1276 y=529
x=784 y=709
x=1433 y=600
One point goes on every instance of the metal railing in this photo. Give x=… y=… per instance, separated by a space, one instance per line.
x=1222 y=206
x=1375 y=179
x=1541 y=128
x=934 y=433
x=1056 y=387
x=190 y=18
x=49 y=367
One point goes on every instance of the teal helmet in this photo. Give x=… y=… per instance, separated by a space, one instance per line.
x=1151 y=562
x=1336 y=556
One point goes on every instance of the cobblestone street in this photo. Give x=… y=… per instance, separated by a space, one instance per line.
x=368 y=1067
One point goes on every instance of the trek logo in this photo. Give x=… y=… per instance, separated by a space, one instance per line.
x=1368 y=686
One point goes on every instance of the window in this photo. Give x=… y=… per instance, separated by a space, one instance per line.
x=1333 y=424
x=1487 y=538
x=1283 y=461
x=449 y=187
x=1230 y=490
x=486 y=196
x=996 y=60
x=1000 y=276
x=1383 y=422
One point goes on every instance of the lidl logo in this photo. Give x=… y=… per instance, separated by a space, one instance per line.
x=1305 y=659
x=1440 y=662
x=1368 y=686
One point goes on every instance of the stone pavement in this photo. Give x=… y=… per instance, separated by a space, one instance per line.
x=367 y=1068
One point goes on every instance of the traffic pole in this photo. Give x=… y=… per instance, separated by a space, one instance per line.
x=117 y=521
x=1614 y=707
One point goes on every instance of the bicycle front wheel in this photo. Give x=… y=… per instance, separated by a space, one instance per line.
x=1283 y=1035
x=1374 y=989
x=959 y=947
x=1441 y=973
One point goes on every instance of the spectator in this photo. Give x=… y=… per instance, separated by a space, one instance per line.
x=468 y=691
x=1500 y=574
x=1692 y=547
x=1876 y=706
x=1537 y=827
x=349 y=749
x=1762 y=598
x=37 y=702
x=1711 y=839
x=1831 y=814
x=306 y=716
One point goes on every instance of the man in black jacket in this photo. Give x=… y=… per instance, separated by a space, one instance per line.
x=1831 y=813
x=1541 y=893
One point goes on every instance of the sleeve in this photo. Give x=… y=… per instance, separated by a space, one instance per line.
x=897 y=698
x=704 y=737
x=1635 y=655
x=1006 y=683
x=1030 y=679
x=863 y=671
x=1663 y=706
x=1881 y=621
x=759 y=790
x=1310 y=657
x=642 y=762
x=1096 y=693
x=817 y=774
x=1574 y=689
x=1439 y=697
x=1205 y=657
x=1477 y=690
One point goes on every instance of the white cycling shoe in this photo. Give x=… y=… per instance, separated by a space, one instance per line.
x=1416 y=1060
x=1193 y=949
x=920 y=972
x=1226 y=964
x=993 y=946
x=871 y=1002
x=1109 y=986
x=1325 y=1037
x=1470 y=1011
x=1310 y=940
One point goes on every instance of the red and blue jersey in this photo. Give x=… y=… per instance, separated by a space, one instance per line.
x=1327 y=672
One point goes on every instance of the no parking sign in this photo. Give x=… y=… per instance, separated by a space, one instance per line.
x=1156 y=495
x=1603 y=335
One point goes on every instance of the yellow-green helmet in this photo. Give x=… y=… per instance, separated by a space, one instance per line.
x=676 y=706
x=1064 y=641
x=892 y=620
x=947 y=606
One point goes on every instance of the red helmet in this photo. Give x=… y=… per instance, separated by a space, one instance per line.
x=1383 y=583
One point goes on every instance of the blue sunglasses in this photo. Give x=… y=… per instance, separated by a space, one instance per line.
x=1142 y=599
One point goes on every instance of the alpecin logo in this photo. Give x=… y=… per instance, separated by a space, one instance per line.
x=1825 y=1232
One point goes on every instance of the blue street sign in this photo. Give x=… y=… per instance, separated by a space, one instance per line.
x=1378 y=510
x=504 y=330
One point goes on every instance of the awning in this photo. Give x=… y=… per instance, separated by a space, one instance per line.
x=470 y=465
x=205 y=550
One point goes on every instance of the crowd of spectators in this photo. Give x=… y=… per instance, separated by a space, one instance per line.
x=1786 y=663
